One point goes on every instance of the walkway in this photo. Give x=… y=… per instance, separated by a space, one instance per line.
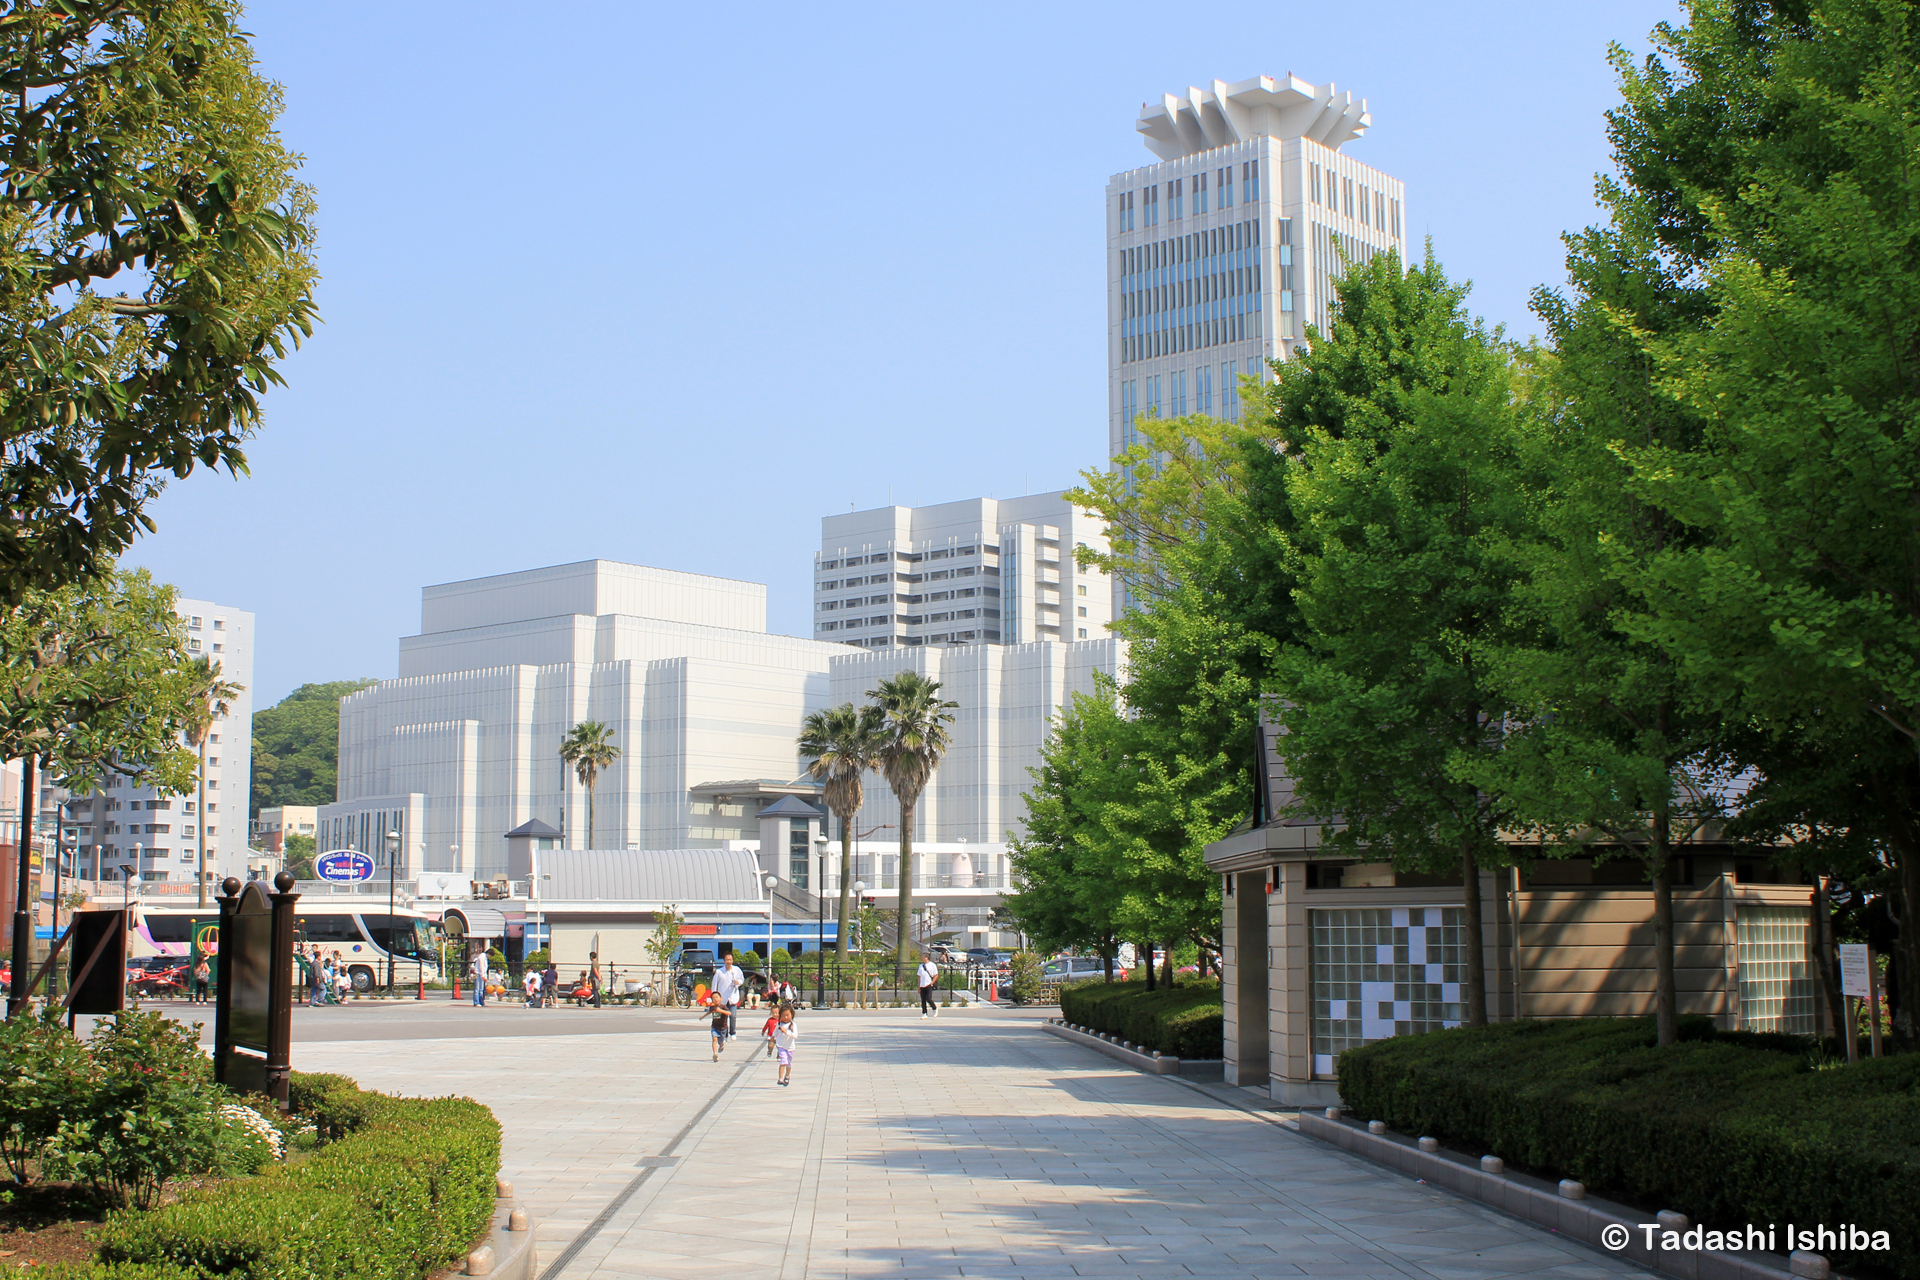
x=970 y=1145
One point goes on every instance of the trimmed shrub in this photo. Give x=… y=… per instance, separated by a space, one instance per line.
x=1727 y=1128
x=404 y=1189
x=1184 y=1020
x=49 y=1076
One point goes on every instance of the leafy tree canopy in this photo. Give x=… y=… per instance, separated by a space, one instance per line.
x=296 y=745
x=155 y=264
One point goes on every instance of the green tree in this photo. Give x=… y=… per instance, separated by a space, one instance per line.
x=840 y=745
x=1403 y=496
x=1766 y=158
x=1067 y=895
x=296 y=745
x=296 y=853
x=589 y=749
x=136 y=138
x=208 y=693
x=94 y=682
x=916 y=734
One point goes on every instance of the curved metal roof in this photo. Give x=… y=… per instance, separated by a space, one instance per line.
x=480 y=922
x=664 y=876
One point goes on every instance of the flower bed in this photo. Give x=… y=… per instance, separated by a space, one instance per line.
x=1727 y=1128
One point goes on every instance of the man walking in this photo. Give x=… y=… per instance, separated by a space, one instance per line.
x=480 y=978
x=929 y=983
x=726 y=990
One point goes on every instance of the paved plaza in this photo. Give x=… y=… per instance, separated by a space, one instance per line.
x=974 y=1144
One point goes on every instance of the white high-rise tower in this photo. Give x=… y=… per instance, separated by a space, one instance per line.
x=1223 y=253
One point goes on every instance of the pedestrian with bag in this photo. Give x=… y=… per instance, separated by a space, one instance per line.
x=726 y=987
x=929 y=977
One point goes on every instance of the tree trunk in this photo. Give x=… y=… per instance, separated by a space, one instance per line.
x=1825 y=962
x=589 y=815
x=1169 y=967
x=202 y=824
x=1906 y=942
x=1149 y=963
x=905 y=925
x=1666 y=994
x=846 y=883
x=1470 y=938
x=1107 y=949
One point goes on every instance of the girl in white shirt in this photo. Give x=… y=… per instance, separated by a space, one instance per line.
x=784 y=1037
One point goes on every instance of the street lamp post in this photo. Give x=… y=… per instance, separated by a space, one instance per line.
x=393 y=928
x=770 y=882
x=859 y=895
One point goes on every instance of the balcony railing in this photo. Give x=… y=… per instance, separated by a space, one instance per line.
x=888 y=882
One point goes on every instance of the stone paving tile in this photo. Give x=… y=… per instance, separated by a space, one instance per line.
x=969 y=1147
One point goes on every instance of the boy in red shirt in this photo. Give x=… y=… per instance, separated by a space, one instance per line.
x=772 y=1025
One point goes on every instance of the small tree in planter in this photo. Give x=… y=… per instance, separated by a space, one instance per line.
x=1025 y=972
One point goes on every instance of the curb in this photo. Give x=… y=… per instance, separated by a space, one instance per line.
x=1158 y=1064
x=1566 y=1209
x=508 y=1251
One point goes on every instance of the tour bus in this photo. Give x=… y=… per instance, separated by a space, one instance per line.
x=361 y=931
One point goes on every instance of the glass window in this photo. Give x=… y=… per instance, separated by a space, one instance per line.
x=1377 y=972
x=1776 y=982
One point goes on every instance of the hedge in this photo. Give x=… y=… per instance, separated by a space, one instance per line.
x=1184 y=1021
x=1727 y=1128
x=402 y=1189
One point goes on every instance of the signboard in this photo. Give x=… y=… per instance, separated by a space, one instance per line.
x=699 y=930
x=98 y=960
x=1853 y=970
x=250 y=961
x=205 y=937
x=345 y=866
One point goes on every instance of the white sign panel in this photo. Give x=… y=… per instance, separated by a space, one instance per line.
x=1853 y=970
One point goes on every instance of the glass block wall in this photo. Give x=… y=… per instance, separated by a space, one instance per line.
x=1383 y=971
x=1776 y=980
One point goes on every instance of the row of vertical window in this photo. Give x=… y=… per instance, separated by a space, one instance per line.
x=1217 y=187
x=1198 y=290
x=1368 y=207
x=1165 y=395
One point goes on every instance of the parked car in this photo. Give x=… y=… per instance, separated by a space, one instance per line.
x=1069 y=969
x=990 y=957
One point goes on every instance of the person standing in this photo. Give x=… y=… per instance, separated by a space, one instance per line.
x=929 y=977
x=202 y=974
x=726 y=990
x=593 y=976
x=549 y=983
x=479 y=973
x=784 y=1038
x=316 y=980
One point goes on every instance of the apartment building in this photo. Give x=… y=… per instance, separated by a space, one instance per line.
x=125 y=830
x=980 y=571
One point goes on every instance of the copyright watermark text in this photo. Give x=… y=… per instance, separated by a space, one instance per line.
x=1818 y=1239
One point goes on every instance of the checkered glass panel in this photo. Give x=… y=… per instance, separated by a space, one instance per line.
x=1776 y=980
x=1383 y=971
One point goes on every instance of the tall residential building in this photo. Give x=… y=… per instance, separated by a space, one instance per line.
x=1224 y=252
x=982 y=571
x=125 y=830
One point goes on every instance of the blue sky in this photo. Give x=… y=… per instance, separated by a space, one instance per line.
x=666 y=284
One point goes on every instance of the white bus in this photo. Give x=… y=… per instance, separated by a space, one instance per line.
x=364 y=938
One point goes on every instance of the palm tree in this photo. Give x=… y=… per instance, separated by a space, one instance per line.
x=839 y=746
x=589 y=749
x=914 y=738
x=207 y=698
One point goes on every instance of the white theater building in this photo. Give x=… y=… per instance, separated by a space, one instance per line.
x=706 y=707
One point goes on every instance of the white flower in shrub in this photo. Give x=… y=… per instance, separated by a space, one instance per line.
x=256 y=1124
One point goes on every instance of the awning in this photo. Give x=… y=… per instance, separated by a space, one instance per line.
x=476 y=921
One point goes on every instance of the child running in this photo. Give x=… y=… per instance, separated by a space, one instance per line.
x=784 y=1036
x=772 y=1025
x=719 y=1027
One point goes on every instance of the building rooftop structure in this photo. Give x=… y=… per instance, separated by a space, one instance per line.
x=679 y=877
x=1223 y=114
